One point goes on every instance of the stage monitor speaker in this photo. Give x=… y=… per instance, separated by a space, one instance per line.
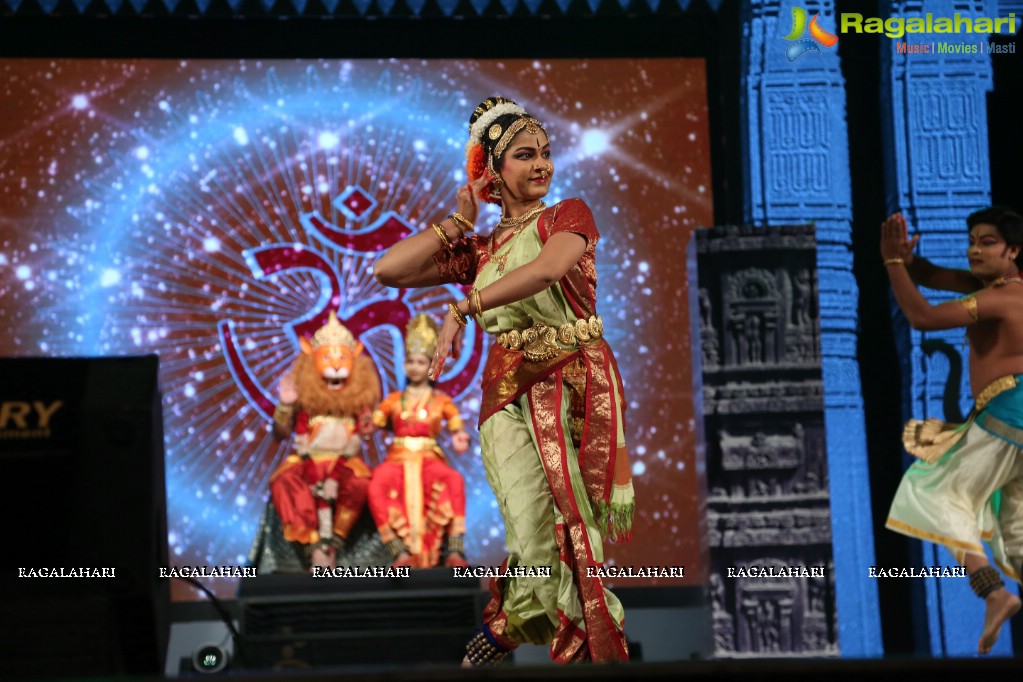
x=84 y=503
x=296 y=621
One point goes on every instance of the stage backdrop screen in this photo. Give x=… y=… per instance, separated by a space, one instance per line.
x=213 y=211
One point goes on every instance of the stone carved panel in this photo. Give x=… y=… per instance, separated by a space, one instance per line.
x=762 y=450
x=761 y=317
x=769 y=606
x=752 y=317
x=760 y=528
x=738 y=397
x=709 y=345
x=770 y=613
x=802 y=341
x=724 y=625
x=764 y=432
x=818 y=631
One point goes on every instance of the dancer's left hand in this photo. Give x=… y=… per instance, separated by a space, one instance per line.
x=449 y=342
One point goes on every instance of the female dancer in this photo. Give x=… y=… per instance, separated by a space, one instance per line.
x=416 y=498
x=551 y=419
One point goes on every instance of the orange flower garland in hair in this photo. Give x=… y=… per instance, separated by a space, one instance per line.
x=482 y=118
x=475 y=166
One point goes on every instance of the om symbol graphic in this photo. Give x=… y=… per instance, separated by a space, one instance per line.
x=340 y=259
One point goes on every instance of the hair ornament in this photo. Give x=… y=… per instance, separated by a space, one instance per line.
x=484 y=116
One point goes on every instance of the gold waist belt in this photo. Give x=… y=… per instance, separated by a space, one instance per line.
x=415 y=443
x=540 y=342
x=999 y=385
x=931 y=438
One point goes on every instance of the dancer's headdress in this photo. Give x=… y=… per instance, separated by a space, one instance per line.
x=421 y=336
x=492 y=126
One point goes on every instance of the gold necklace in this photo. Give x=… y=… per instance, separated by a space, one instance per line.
x=517 y=224
x=522 y=219
x=502 y=260
x=419 y=410
x=1005 y=280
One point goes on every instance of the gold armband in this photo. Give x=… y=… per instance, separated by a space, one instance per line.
x=970 y=303
x=379 y=419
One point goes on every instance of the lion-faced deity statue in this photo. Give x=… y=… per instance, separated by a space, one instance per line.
x=332 y=375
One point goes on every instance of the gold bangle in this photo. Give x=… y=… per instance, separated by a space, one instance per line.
x=476 y=299
x=462 y=222
x=443 y=235
x=894 y=261
x=459 y=317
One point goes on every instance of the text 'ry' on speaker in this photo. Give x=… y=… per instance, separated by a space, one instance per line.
x=82 y=494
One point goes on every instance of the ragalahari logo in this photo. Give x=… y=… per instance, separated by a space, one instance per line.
x=801 y=45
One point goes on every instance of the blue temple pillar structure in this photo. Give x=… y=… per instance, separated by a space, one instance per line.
x=937 y=171
x=797 y=171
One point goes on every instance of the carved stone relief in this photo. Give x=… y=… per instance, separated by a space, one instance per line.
x=763 y=401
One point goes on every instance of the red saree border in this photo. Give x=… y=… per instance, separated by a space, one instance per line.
x=603 y=638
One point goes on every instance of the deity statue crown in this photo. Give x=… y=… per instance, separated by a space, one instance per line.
x=421 y=335
x=333 y=334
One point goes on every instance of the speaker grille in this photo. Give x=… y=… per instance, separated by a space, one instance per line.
x=336 y=623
